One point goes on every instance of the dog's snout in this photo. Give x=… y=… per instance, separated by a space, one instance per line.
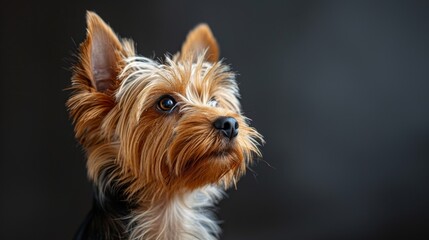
x=228 y=126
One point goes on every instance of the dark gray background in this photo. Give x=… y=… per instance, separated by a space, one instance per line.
x=339 y=89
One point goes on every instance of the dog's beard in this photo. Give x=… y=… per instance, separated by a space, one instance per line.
x=200 y=155
x=185 y=151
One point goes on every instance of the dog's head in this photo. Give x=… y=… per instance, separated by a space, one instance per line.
x=164 y=126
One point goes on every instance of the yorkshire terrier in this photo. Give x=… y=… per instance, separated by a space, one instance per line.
x=163 y=139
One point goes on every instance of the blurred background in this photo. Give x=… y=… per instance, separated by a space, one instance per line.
x=339 y=89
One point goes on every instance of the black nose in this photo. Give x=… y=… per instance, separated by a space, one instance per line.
x=228 y=126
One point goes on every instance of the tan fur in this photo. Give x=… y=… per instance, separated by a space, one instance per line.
x=199 y=40
x=160 y=158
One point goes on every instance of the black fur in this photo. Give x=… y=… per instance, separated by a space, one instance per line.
x=109 y=216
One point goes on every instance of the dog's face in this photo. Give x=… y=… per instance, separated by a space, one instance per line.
x=179 y=123
x=168 y=126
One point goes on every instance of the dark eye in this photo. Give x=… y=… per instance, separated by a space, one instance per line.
x=166 y=103
x=213 y=102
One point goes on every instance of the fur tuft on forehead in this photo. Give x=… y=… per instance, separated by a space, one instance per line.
x=192 y=82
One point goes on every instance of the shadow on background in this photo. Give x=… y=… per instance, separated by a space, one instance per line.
x=338 y=89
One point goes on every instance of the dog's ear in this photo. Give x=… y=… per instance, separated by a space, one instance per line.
x=199 y=40
x=100 y=54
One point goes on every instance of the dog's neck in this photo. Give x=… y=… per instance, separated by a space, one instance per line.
x=182 y=216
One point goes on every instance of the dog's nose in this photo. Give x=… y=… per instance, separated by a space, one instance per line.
x=228 y=126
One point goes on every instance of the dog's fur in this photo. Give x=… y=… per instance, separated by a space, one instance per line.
x=157 y=169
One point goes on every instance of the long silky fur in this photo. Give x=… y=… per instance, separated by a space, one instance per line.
x=186 y=216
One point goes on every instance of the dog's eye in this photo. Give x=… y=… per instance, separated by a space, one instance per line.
x=166 y=103
x=213 y=102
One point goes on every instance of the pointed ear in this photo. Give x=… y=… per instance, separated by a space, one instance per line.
x=100 y=54
x=199 y=40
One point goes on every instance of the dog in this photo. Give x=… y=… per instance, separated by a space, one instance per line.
x=163 y=138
